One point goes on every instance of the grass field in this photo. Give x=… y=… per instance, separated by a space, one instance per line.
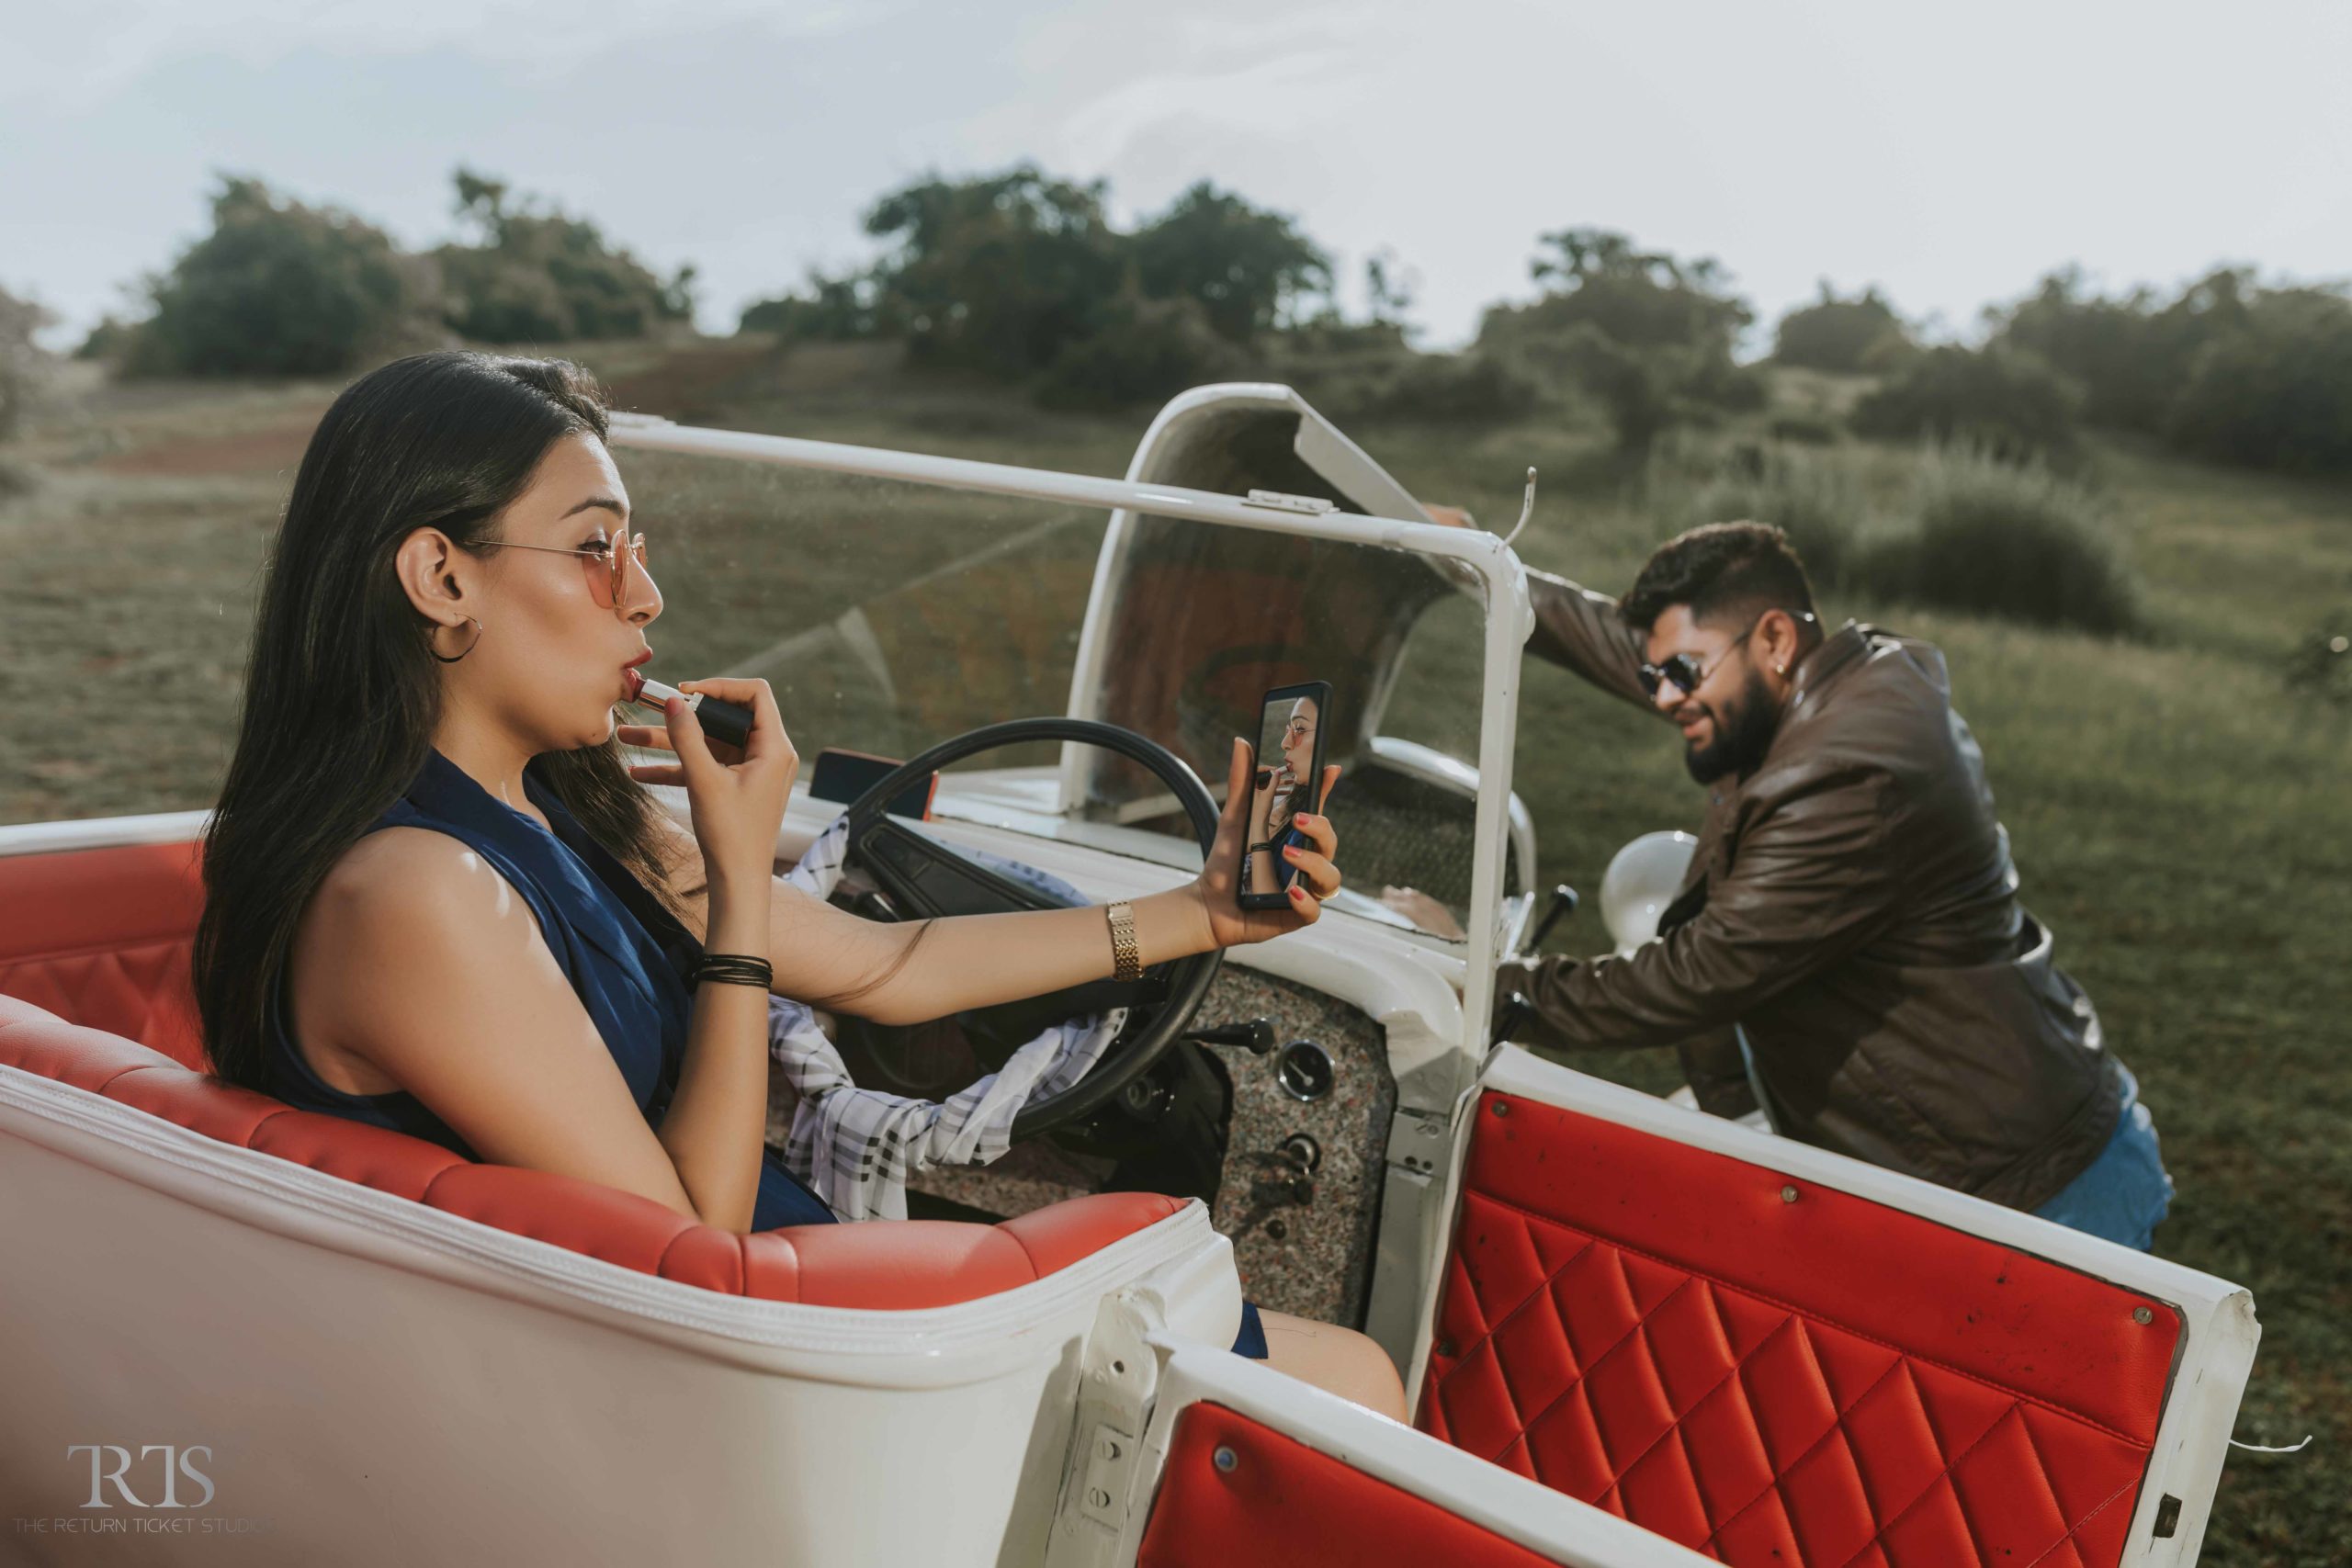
x=2179 y=818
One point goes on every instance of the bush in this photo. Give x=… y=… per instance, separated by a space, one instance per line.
x=1857 y=334
x=1988 y=536
x=2005 y=403
x=1806 y=430
x=1435 y=389
x=1141 y=350
x=2277 y=393
x=110 y=340
x=1813 y=496
x=835 y=310
x=23 y=365
x=2321 y=665
x=279 y=288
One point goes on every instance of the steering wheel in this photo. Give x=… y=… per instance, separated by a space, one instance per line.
x=922 y=878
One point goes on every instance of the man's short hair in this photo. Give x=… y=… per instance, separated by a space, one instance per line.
x=1725 y=573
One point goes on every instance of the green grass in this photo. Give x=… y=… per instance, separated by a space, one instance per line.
x=2182 y=824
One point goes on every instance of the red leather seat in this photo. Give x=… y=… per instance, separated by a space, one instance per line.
x=94 y=992
x=102 y=937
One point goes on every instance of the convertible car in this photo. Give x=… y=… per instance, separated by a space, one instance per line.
x=1633 y=1334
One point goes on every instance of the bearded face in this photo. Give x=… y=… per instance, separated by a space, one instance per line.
x=1734 y=731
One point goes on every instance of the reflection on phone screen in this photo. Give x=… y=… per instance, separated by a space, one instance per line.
x=1284 y=787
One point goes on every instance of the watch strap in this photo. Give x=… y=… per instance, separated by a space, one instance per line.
x=1126 y=954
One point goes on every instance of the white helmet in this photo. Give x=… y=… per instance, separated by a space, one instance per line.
x=1640 y=883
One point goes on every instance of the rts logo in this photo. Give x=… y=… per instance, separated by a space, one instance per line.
x=176 y=1463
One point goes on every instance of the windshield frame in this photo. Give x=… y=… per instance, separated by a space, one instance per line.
x=1502 y=584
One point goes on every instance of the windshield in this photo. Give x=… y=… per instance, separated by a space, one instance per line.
x=888 y=616
x=891 y=615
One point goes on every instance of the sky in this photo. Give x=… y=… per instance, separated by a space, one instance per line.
x=1950 y=155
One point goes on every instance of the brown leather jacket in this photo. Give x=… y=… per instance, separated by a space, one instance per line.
x=1851 y=905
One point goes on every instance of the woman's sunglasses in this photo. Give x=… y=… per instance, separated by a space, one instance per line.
x=616 y=568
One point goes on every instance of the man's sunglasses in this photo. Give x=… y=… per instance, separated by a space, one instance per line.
x=1686 y=674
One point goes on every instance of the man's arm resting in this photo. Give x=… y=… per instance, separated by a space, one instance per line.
x=1581 y=631
x=1810 y=885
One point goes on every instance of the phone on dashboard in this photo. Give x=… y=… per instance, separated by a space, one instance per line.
x=1284 y=769
x=843 y=776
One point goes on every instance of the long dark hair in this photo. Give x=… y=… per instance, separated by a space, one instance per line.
x=341 y=693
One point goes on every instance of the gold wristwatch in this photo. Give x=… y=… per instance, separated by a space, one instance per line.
x=1126 y=956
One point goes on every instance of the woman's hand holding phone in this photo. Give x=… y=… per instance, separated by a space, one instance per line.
x=1219 y=883
x=737 y=804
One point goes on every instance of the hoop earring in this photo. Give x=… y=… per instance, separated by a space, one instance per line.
x=447 y=659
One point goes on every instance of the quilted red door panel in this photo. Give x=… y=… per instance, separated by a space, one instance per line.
x=1774 y=1373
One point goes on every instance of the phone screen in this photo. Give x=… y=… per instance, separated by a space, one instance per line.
x=1286 y=767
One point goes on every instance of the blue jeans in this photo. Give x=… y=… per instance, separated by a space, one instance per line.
x=2123 y=1194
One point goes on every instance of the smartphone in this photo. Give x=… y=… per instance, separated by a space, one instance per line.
x=843 y=776
x=1284 y=769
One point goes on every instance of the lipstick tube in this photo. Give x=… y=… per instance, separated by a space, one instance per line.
x=730 y=722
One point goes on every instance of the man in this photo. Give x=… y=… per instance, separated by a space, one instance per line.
x=1851 y=905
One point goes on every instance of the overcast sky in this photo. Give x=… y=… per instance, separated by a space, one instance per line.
x=1949 y=154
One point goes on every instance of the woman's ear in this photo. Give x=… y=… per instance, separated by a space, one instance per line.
x=428 y=564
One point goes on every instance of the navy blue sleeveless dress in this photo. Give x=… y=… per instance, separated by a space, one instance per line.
x=624 y=955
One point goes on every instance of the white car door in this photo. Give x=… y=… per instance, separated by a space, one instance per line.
x=1777 y=1355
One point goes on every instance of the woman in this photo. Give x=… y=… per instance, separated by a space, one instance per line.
x=1280 y=837
x=437 y=900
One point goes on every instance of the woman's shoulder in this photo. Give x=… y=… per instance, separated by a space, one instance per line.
x=382 y=894
x=407 y=887
x=398 y=868
x=403 y=914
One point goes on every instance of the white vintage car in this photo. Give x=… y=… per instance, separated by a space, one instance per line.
x=1633 y=1334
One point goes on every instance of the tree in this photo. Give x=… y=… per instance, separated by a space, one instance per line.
x=536 y=275
x=2275 y=391
x=1018 y=274
x=279 y=288
x=1640 y=299
x=1647 y=335
x=2130 y=355
x=1831 y=333
x=997 y=274
x=1247 y=267
x=1388 y=288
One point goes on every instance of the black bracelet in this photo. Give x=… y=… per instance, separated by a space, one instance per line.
x=732 y=969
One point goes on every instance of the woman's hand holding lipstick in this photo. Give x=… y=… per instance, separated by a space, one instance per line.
x=657 y=736
x=736 y=800
x=723 y=723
